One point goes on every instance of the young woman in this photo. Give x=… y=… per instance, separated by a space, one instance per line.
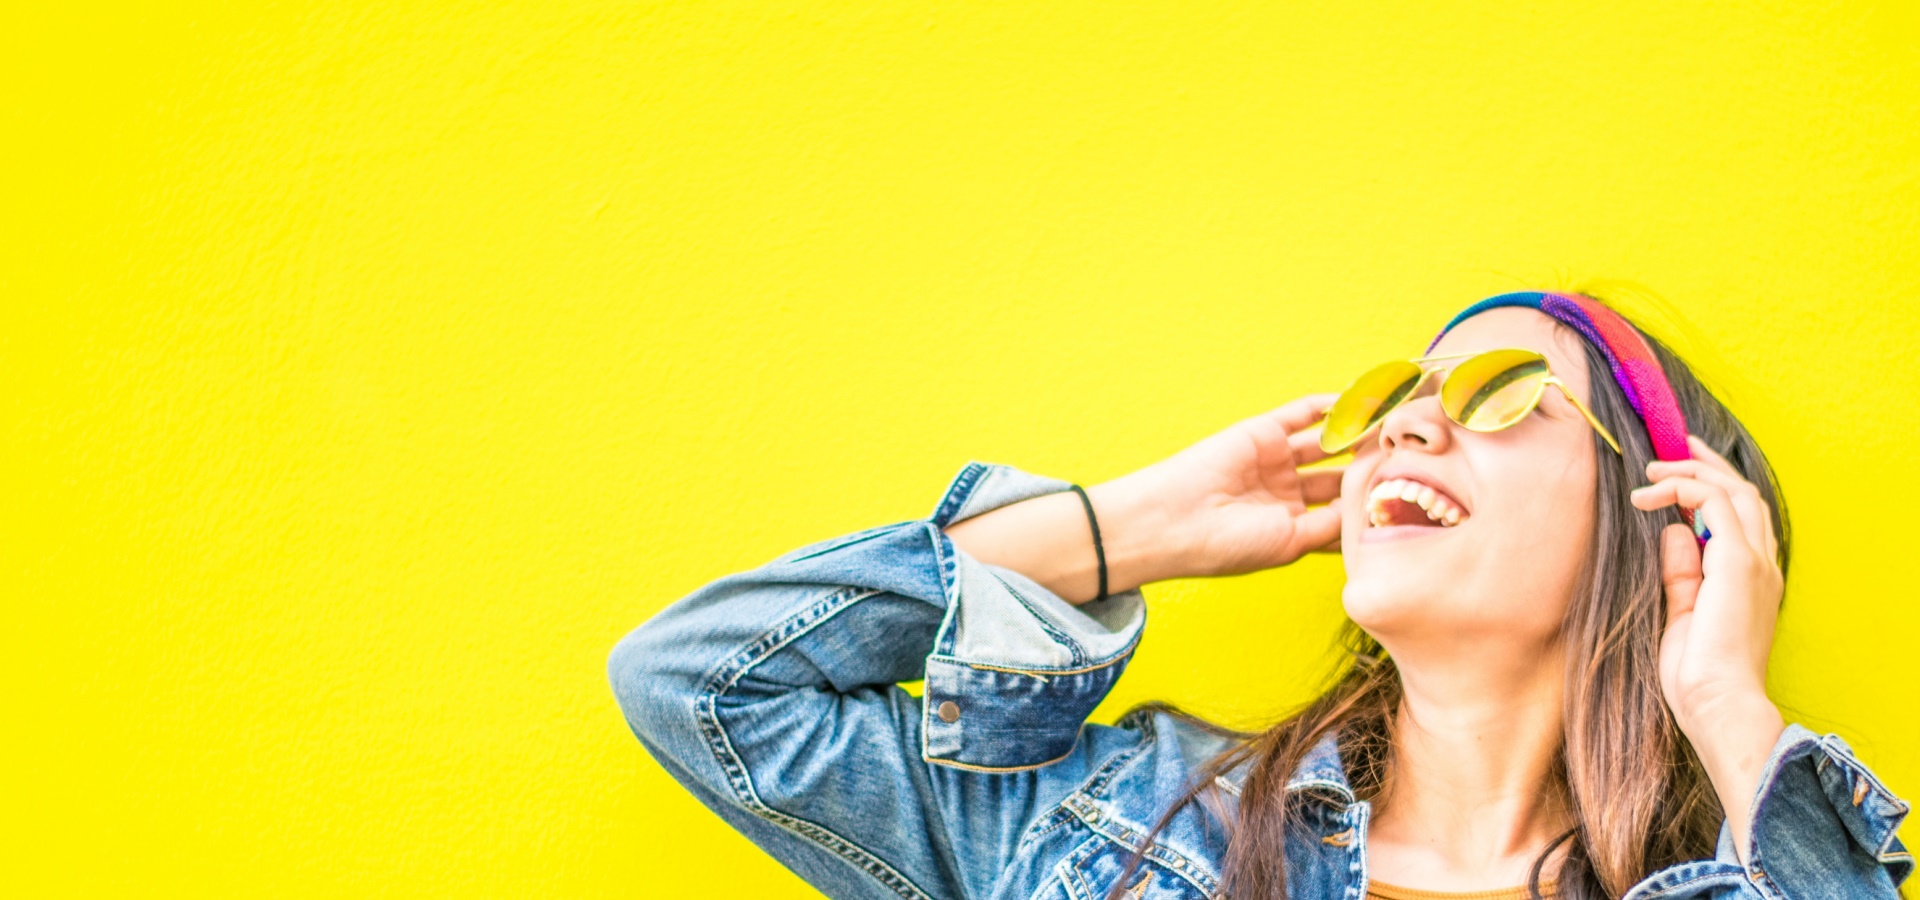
x=1557 y=687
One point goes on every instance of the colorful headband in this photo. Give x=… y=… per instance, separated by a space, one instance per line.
x=1634 y=366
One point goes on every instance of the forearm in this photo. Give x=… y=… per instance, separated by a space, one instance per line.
x=1733 y=738
x=1049 y=539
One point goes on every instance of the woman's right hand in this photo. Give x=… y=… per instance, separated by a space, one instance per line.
x=1236 y=501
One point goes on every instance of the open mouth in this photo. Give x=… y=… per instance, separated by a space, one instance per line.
x=1403 y=501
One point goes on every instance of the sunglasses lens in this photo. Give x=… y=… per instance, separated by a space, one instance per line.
x=1495 y=389
x=1366 y=402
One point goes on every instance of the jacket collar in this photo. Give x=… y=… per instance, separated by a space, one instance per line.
x=1319 y=770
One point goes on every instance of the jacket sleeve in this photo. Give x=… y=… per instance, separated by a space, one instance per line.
x=773 y=696
x=1823 y=825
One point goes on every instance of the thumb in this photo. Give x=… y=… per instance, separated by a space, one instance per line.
x=1318 y=527
x=1679 y=569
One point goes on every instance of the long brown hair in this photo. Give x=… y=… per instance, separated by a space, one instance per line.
x=1638 y=795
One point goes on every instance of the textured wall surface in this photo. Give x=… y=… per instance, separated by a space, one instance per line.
x=369 y=369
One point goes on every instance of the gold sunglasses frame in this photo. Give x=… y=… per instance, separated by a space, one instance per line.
x=1532 y=404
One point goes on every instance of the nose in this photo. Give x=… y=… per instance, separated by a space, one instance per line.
x=1418 y=422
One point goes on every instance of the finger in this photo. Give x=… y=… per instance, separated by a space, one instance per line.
x=1305 y=446
x=1321 y=485
x=1709 y=500
x=1754 y=515
x=1286 y=423
x=1702 y=450
x=1679 y=569
x=1333 y=548
x=1314 y=529
x=1301 y=414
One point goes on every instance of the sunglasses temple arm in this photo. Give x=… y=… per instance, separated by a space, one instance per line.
x=1582 y=407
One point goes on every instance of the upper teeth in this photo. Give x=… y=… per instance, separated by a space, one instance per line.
x=1436 y=506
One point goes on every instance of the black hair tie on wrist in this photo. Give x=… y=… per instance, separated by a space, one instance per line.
x=1099 y=552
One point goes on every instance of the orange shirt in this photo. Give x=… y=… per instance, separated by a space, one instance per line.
x=1378 y=891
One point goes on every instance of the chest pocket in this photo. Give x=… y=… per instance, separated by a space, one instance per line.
x=1092 y=869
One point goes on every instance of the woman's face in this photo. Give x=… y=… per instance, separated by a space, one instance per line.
x=1507 y=570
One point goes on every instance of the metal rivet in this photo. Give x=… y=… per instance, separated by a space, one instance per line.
x=949 y=711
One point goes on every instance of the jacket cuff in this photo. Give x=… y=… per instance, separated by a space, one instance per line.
x=1819 y=815
x=1015 y=669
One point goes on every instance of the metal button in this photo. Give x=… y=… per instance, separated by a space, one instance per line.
x=949 y=711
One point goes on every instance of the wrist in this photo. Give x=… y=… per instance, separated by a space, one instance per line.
x=1136 y=531
x=1710 y=715
x=1733 y=735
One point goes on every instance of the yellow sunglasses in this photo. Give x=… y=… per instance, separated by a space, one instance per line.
x=1485 y=391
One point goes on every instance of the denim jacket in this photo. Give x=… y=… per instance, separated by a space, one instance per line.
x=773 y=696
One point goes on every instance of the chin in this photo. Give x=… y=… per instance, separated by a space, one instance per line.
x=1390 y=602
x=1411 y=584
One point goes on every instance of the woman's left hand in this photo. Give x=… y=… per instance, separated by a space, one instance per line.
x=1721 y=608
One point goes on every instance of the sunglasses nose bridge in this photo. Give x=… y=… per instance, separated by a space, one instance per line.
x=1426 y=385
x=1431 y=381
x=1429 y=386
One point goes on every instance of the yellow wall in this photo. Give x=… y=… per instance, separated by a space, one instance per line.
x=369 y=371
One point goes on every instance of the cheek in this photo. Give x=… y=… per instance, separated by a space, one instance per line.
x=1557 y=506
x=1352 y=499
x=1543 y=534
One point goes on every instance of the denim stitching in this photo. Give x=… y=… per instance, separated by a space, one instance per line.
x=944 y=554
x=1043 y=826
x=1121 y=656
x=706 y=709
x=1356 y=849
x=1046 y=624
x=1095 y=783
x=944 y=557
x=1181 y=865
x=1068 y=868
x=1650 y=889
x=1837 y=750
x=959 y=492
x=949 y=564
x=970 y=767
x=1053 y=875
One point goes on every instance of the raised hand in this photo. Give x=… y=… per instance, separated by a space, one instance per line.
x=1234 y=502
x=1722 y=605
